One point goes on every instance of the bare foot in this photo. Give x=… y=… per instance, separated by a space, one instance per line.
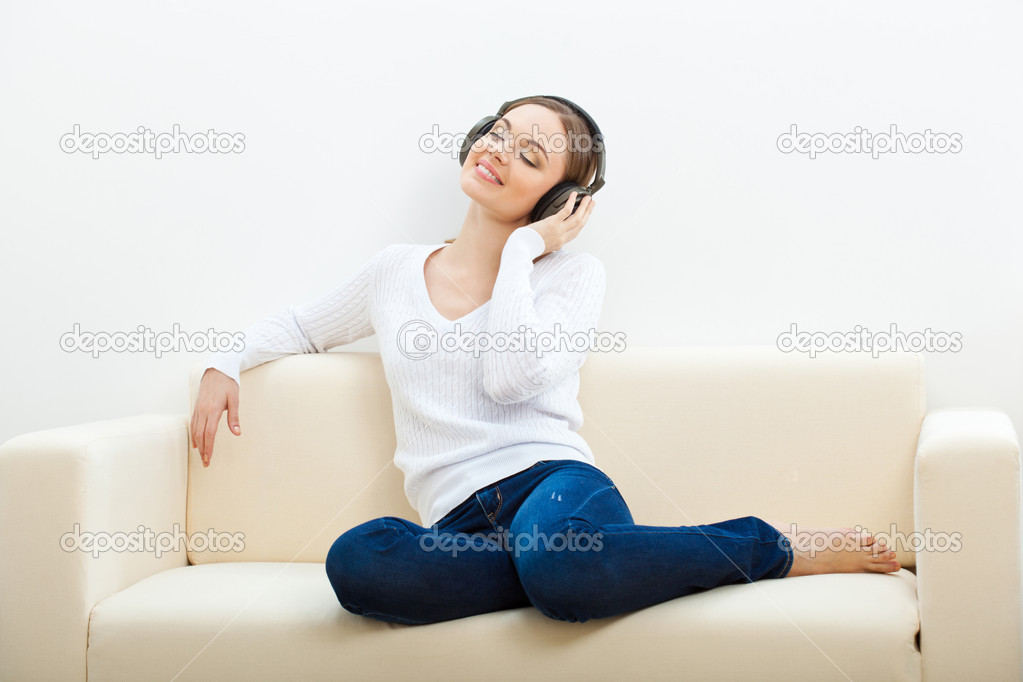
x=837 y=550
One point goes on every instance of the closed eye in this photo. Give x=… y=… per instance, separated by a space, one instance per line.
x=498 y=137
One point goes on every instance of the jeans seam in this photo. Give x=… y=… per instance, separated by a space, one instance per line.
x=790 y=558
x=500 y=502
x=592 y=495
x=394 y=619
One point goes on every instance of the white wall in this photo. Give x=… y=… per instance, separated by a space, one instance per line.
x=709 y=234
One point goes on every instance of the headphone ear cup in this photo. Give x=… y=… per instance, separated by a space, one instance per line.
x=476 y=132
x=555 y=199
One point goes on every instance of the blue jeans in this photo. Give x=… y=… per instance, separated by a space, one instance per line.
x=557 y=536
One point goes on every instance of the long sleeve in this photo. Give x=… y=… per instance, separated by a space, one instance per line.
x=571 y=299
x=451 y=437
x=340 y=316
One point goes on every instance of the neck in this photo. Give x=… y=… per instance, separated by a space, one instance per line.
x=478 y=247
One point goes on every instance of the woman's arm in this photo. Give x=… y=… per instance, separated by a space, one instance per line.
x=571 y=299
x=338 y=317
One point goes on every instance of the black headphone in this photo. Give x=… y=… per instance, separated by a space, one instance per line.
x=555 y=199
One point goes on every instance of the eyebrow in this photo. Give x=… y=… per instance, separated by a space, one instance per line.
x=531 y=141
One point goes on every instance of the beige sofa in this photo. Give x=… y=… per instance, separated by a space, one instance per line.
x=690 y=435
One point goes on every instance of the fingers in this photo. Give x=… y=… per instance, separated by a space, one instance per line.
x=200 y=441
x=583 y=212
x=198 y=430
x=204 y=432
x=562 y=227
x=197 y=436
x=217 y=392
x=567 y=209
x=577 y=220
x=209 y=435
x=585 y=208
x=589 y=206
x=232 y=413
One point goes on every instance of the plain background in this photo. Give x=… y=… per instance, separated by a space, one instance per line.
x=709 y=234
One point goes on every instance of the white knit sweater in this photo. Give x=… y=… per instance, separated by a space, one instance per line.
x=461 y=422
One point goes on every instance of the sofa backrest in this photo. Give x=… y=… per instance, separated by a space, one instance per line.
x=689 y=435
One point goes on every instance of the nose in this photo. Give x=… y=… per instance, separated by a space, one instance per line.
x=497 y=146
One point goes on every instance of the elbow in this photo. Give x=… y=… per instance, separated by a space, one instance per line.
x=506 y=392
x=502 y=393
x=507 y=385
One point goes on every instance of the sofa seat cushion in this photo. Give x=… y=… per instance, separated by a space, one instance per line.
x=275 y=621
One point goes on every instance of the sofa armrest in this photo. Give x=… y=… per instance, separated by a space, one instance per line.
x=967 y=481
x=107 y=477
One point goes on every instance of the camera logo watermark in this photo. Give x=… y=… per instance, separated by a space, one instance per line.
x=862 y=141
x=451 y=143
x=505 y=540
x=820 y=541
x=862 y=339
x=418 y=339
x=144 y=540
x=144 y=340
x=144 y=141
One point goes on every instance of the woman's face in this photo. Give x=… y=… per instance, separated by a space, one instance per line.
x=527 y=151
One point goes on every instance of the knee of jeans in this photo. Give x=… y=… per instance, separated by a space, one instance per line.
x=339 y=565
x=563 y=585
x=349 y=562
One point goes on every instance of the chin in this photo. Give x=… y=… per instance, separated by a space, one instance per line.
x=477 y=192
x=469 y=187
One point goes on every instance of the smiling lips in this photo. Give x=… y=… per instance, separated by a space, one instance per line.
x=487 y=171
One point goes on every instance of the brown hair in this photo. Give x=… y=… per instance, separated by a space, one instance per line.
x=582 y=157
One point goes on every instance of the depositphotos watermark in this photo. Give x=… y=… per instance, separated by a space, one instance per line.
x=862 y=141
x=451 y=143
x=862 y=339
x=819 y=540
x=144 y=340
x=505 y=540
x=418 y=339
x=144 y=540
x=145 y=141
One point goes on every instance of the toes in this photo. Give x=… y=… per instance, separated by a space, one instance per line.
x=886 y=567
x=860 y=537
x=878 y=547
x=884 y=562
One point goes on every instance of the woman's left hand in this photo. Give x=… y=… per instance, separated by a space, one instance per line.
x=564 y=226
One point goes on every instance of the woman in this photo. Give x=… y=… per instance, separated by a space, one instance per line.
x=514 y=511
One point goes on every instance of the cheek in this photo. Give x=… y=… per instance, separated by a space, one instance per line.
x=537 y=183
x=532 y=192
x=541 y=188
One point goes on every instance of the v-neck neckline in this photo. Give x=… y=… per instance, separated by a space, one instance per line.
x=425 y=292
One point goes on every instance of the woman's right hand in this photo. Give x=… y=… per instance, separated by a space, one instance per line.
x=217 y=392
x=565 y=225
